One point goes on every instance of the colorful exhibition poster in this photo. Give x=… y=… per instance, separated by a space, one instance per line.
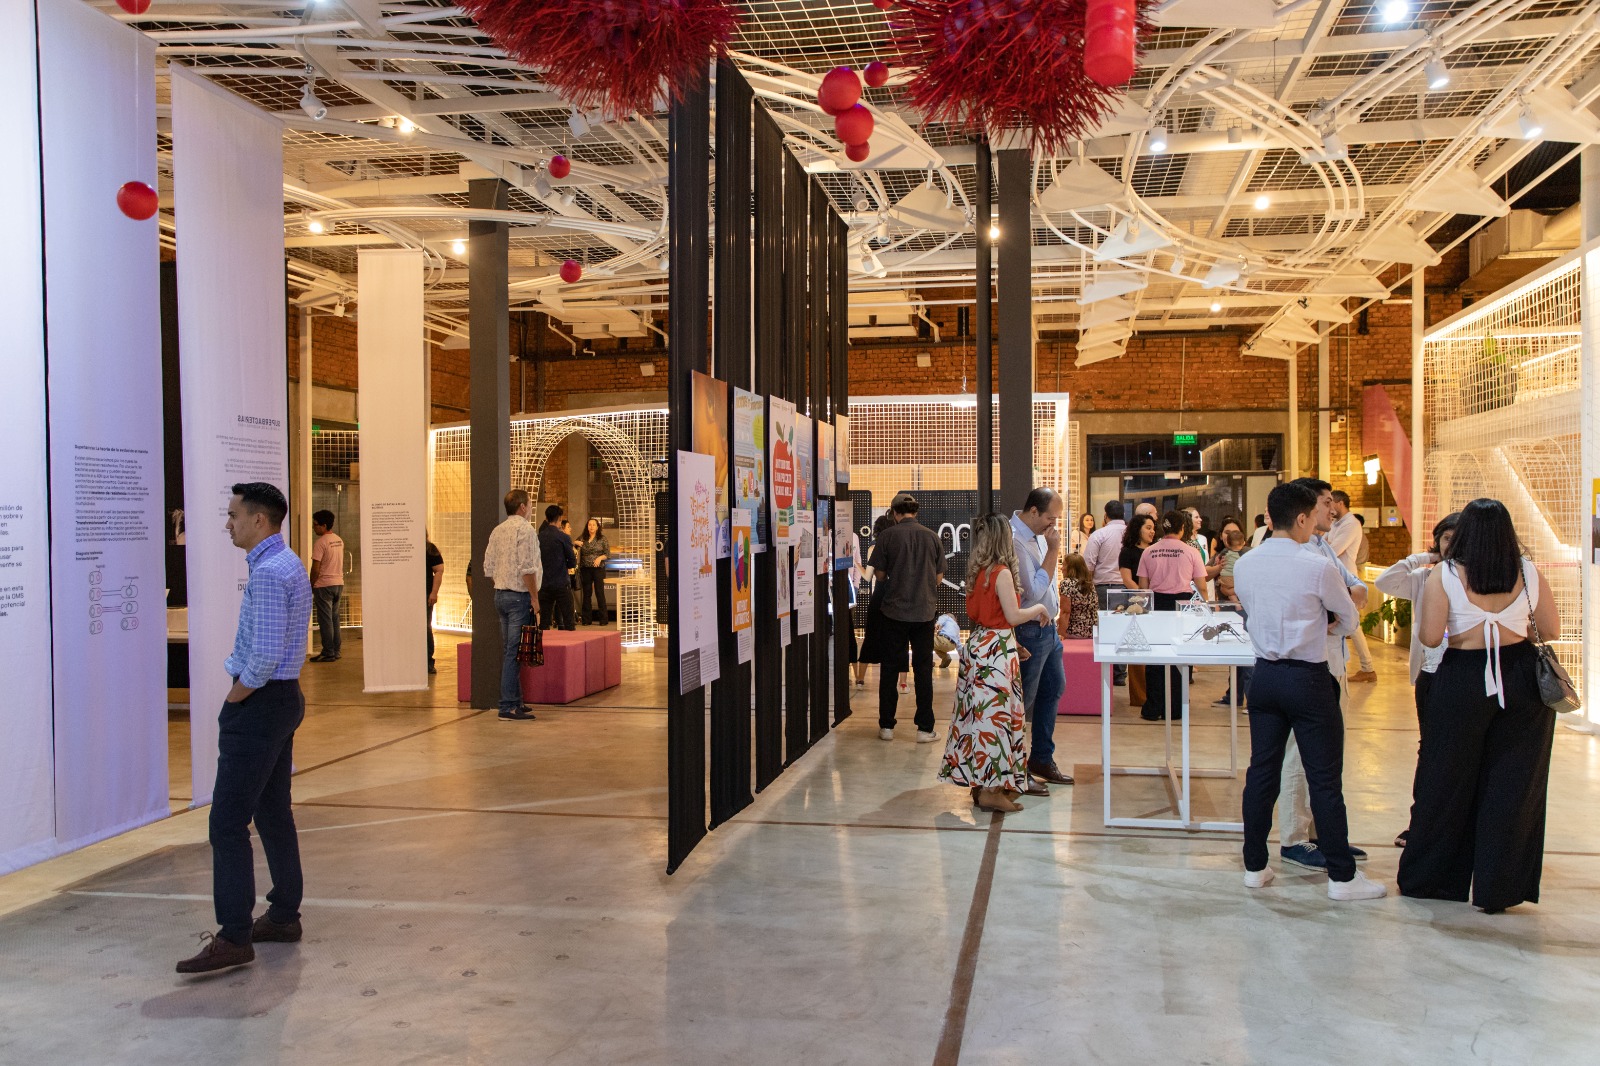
x=805 y=470
x=784 y=577
x=749 y=462
x=805 y=578
x=696 y=537
x=780 y=421
x=742 y=567
x=841 y=449
x=843 y=540
x=711 y=438
x=824 y=538
x=825 y=472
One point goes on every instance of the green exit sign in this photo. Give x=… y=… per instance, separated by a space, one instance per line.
x=1185 y=438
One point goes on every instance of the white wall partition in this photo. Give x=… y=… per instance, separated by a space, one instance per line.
x=27 y=804
x=227 y=160
x=98 y=130
x=392 y=363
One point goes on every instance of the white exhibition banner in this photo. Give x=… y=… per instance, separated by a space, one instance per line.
x=27 y=776
x=227 y=172
x=805 y=574
x=392 y=361
x=695 y=606
x=97 y=120
x=785 y=577
x=781 y=462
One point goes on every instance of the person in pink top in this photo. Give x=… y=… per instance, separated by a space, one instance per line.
x=327 y=584
x=1172 y=569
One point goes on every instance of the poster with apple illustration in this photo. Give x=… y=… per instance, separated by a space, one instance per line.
x=780 y=423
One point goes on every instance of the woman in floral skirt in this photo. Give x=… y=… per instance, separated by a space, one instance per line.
x=984 y=751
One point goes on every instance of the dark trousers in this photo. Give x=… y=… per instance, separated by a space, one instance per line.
x=1119 y=672
x=1289 y=696
x=1158 y=680
x=1478 y=804
x=255 y=756
x=1043 y=680
x=555 y=608
x=592 y=581
x=515 y=612
x=430 y=635
x=896 y=635
x=326 y=601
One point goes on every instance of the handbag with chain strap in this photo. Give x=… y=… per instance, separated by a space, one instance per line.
x=1555 y=684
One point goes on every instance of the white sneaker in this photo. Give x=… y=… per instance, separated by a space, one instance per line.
x=1357 y=887
x=926 y=738
x=1258 y=878
x=885 y=734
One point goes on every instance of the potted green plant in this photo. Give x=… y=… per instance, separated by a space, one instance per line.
x=1391 y=622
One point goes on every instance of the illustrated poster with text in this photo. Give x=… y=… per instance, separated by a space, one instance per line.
x=805 y=583
x=710 y=427
x=696 y=539
x=749 y=463
x=805 y=470
x=843 y=534
x=780 y=423
x=784 y=577
x=841 y=449
x=742 y=569
x=825 y=468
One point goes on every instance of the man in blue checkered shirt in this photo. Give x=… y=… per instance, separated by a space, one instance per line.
x=255 y=747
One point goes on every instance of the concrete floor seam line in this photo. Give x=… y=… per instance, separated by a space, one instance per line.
x=387 y=743
x=480 y=810
x=948 y=1052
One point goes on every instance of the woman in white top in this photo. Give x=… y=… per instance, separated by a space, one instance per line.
x=1405 y=580
x=1080 y=536
x=1478 y=804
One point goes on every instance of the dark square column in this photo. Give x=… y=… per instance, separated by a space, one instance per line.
x=489 y=460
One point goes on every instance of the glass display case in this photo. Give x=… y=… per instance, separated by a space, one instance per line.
x=1203 y=626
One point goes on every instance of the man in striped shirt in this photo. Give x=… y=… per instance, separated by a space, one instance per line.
x=255 y=745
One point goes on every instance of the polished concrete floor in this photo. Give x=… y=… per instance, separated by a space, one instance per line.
x=488 y=892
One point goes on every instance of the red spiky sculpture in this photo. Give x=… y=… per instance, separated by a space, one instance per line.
x=613 y=56
x=989 y=65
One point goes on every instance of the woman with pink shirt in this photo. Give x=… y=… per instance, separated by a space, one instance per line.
x=1171 y=568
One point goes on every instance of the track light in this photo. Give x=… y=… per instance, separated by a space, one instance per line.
x=1396 y=10
x=315 y=226
x=316 y=109
x=1176 y=266
x=569 y=198
x=1437 y=74
x=1333 y=146
x=1263 y=201
x=404 y=126
x=1216 y=307
x=1530 y=127
x=541 y=186
x=882 y=230
x=664 y=263
x=1158 y=140
x=1235 y=134
x=577 y=123
x=458 y=247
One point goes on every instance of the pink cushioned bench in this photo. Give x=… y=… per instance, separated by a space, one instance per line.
x=1082 y=692
x=576 y=665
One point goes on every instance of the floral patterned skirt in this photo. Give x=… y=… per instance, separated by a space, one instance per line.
x=985 y=746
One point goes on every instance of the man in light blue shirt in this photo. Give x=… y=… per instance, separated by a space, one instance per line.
x=1036 y=533
x=255 y=742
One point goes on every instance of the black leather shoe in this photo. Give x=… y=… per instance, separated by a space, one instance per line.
x=521 y=714
x=266 y=931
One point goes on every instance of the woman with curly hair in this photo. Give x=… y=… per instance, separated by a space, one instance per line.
x=985 y=748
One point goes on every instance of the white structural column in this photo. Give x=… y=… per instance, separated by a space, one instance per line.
x=393 y=367
x=97 y=122
x=1589 y=196
x=1324 y=416
x=1419 y=459
x=27 y=786
x=1294 y=413
x=300 y=503
x=228 y=192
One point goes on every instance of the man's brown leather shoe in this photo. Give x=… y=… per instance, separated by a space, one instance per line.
x=1047 y=771
x=1036 y=788
x=218 y=954
x=266 y=931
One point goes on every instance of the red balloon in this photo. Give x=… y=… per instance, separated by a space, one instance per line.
x=134 y=7
x=1109 y=41
x=571 y=271
x=854 y=126
x=840 y=90
x=857 y=153
x=883 y=5
x=877 y=74
x=137 y=200
x=560 y=166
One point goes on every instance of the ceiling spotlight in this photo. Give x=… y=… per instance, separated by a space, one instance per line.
x=1158 y=140
x=1235 y=134
x=1263 y=201
x=1176 y=266
x=577 y=123
x=541 y=186
x=315 y=226
x=863 y=205
x=1333 y=146
x=1530 y=127
x=994 y=232
x=339 y=307
x=1437 y=73
x=569 y=198
x=404 y=126
x=882 y=230
x=866 y=264
x=1216 y=306
x=664 y=263
x=458 y=247
x=1395 y=10
x=314 y=108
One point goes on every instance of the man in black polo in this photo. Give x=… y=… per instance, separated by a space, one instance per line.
x=558 y=558
x=909 y=556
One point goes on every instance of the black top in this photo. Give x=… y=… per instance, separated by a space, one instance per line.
x=557 y=557
x=1129 y=560
x=434 y=559
x=910 y=554
x=591 y=550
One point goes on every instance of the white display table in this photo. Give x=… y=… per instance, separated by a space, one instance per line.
x=1178 y=777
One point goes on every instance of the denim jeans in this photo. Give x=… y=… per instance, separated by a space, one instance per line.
x=515 y=609
x=1288 y=697
x=326 y=600
x=255 y=756
x=1043 y=680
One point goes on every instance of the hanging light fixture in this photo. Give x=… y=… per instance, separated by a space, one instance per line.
x=315 y=109
x=1158 y=140
x=1216 y=307
x=1396 y=10
x=1437 y=74
x=315 y=226
x=1263 y=201
x=1529 y=126
x=458 y=247
x=1333 y=146
x=404 y=126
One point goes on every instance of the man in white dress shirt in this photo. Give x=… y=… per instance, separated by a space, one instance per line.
x=1344 y=537
x=1289 y=596
x=511 y=560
